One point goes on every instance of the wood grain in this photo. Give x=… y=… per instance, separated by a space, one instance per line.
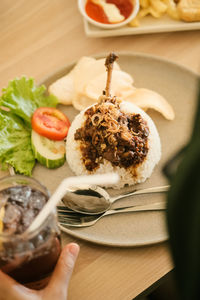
x=36 y=39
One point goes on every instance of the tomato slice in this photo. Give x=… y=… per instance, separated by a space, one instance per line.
x=51 y=123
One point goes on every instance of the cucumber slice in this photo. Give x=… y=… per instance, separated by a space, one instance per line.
x=49 y=153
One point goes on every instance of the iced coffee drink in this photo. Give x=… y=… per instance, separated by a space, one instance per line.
x=28 y=258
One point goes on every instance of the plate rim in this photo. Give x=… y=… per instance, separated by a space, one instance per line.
x=126 y=31
x=110 y=244
x=158 y=58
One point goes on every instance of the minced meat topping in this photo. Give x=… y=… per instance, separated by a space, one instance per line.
x=108 y=133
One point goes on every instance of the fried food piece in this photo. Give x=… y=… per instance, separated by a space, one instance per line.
x=189 y=10
x=158 y=6
x=156 y=9
x=145 y=99
x=172 y=10
x=63 y=88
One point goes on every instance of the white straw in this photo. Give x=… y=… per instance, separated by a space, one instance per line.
x=100 y=179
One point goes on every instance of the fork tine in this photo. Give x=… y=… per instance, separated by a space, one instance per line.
x=75 y=219
x=68 y=217
x=66 y=213
x=64 y=209
x=68 y=220
x=70 y=224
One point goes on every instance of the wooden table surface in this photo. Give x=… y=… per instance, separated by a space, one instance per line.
x=36 y=39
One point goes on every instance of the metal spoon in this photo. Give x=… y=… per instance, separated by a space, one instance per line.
x=95 y=200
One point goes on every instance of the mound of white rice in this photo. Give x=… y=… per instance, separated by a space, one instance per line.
x=129 y=176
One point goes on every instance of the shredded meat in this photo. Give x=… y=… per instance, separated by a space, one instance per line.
x=108 y=133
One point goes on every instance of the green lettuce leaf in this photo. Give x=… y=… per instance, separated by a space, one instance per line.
x=23 y=97
x=15 y=144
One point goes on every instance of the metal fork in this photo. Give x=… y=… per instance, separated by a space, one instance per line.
x=67 y=217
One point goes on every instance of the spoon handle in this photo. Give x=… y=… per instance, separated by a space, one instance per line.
x=158 y=189
x=146 y=207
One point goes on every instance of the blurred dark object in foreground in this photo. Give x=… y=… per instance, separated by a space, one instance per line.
x=183 y=213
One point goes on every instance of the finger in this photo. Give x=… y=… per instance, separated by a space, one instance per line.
x=58 y=285
x=10 y=289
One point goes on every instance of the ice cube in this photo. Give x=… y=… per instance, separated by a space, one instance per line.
x=12 y=214
x=11 y=228
x=21 y=195
x=37 y=200
x=39 y=240
x=28 y=217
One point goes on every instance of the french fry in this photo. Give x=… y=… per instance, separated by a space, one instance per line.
x=172 y=11
x=144 y=3
x=143 y=12
x=135 y=22
x=156 y=8
x=155 y=13
x=149 y=10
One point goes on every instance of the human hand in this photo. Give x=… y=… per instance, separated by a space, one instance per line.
x=58 y=284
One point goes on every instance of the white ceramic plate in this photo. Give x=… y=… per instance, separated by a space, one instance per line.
x=178 y=85
x=147 y=25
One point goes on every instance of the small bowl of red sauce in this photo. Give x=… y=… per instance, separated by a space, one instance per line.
x=109 y=14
